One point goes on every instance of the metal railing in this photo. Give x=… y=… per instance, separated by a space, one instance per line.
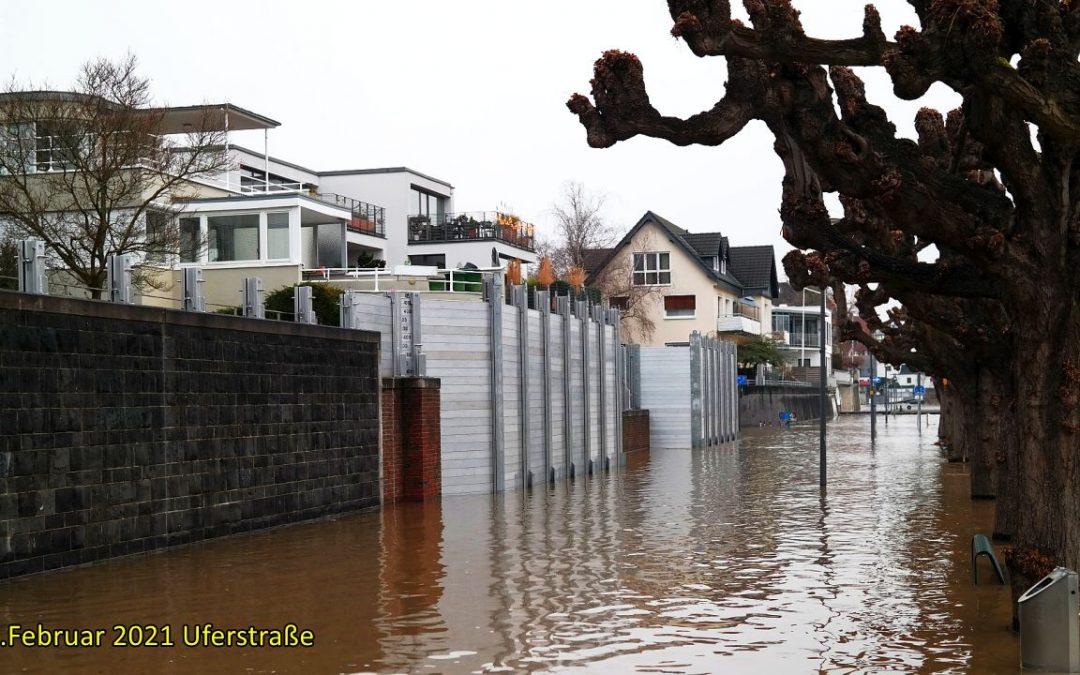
x=474 y=226
x=443 y=281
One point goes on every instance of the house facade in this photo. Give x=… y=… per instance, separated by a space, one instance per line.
x=683 y=282
x=267 y=217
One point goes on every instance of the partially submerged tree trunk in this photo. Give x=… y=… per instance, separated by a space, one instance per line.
x=1002 y=213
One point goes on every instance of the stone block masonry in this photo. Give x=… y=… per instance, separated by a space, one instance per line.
x=125 y=429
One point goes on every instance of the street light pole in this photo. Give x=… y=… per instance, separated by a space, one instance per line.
x=821 y=381
x=919 y=397
x=872 y=389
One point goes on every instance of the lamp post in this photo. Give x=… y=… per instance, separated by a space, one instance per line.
x=822 y=381
x=885 y=388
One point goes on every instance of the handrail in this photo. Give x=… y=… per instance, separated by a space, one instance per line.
x=327 y=274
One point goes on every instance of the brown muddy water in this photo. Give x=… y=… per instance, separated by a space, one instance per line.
x=725 y=560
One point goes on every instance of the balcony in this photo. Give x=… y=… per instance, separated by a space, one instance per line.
x=476 y=226
x=366 y=218
x=743 y=320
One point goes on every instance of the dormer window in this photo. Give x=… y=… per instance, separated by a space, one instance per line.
x=723 y=265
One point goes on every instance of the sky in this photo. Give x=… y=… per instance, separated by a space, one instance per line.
x=472 y=92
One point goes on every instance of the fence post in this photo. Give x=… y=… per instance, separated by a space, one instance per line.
x=583 y=319
x=543 y=300
x=303 y=307
x=396 y=366
x=253 y=298
x=563 y=307
x=495 y=301
x=695 y=390
x=191 y=290
x=31 y=254
x=521 y=301
x=118 y=279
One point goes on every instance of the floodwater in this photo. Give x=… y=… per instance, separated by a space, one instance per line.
x=725 y=560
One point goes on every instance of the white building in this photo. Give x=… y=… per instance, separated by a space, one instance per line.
x=797 y=331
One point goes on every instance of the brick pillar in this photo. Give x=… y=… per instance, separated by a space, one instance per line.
x=412 y=445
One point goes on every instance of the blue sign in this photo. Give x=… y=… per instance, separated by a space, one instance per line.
x=741 y=380
x=919 y=390
x=877 y=381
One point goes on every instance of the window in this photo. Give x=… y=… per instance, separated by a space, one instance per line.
x=438 y=261
x=277 y=236
x=423 y=203
x=233 y=237
x=620 y=302
x=680 y=306
x=723 y=265
x=652 y=269
x=189 y=239
x=157 y=235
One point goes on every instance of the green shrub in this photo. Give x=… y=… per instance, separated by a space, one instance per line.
x=325 y=299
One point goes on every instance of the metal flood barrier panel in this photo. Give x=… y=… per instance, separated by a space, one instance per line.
x=690 y=393
x=528 y=395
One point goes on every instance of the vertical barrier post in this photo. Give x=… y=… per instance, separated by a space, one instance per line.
x=601 y=352
x=191 y=290
x=620 y=356
x=32 y=267
x=396 y=365
x=563 y=306
x=696 y=439
x=583 y=319
x=303 y=307
x=521 y=301
x=416 y=352
x=496 y=299
x=118 y=279
x=253 y=298
x=349 y=302
x=543 y=300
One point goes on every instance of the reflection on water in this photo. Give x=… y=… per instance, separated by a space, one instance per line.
x=720 y=560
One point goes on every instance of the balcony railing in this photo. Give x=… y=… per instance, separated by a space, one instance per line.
x=476 y=226
x=804 y=340
x=748 y=311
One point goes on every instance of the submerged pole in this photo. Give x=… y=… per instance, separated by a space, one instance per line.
x=822 y=393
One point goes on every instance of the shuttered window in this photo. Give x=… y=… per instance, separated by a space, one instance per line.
x=680 y=305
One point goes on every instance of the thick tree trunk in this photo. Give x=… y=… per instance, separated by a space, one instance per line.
x=984 y=428
x=951 y=426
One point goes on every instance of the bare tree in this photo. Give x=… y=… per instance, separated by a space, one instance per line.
x=94 y=171
x=580 y=227
x=638 y=303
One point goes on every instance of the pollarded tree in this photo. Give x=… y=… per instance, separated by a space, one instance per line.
x=1000 y=208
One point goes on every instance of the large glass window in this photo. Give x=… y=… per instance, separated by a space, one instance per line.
x=427 y=204
x=652 y=269
x=277 y=236
x=233 y=237
x=189 y=240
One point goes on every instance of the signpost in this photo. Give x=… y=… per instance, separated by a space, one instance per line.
x=920 y=392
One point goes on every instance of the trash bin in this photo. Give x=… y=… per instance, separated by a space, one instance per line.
x=1049 y=627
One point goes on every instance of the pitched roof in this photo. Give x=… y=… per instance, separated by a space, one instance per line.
x=682 y=239
x=705 y=243
x=755 y=267
x=594 y=258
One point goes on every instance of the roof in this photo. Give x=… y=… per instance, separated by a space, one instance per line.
x=755 y=267
x=391 y=169
x=174 y=119
x=594 y=258
x=756 y=263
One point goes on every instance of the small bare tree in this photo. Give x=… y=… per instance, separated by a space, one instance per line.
x=639 y=303
x=580 y=227
x=94 y=171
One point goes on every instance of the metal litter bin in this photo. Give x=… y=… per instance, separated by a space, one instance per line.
x=1049 y=626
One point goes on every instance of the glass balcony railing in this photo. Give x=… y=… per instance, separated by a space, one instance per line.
x=475 y=226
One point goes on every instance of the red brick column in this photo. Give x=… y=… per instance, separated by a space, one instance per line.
x=412 y=445
x=635 y=431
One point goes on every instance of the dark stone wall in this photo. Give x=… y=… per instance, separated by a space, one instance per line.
x=125 y=429
x=763 y=403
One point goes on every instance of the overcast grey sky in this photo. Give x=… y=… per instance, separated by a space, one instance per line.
x=471 y=91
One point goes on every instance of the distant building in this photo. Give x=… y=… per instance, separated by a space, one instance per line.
x=704 y=283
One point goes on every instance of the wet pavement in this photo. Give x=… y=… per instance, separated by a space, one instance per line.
x=720 y=560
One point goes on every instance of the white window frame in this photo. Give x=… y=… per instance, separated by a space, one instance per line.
x=680 y=317
x=654 y=257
